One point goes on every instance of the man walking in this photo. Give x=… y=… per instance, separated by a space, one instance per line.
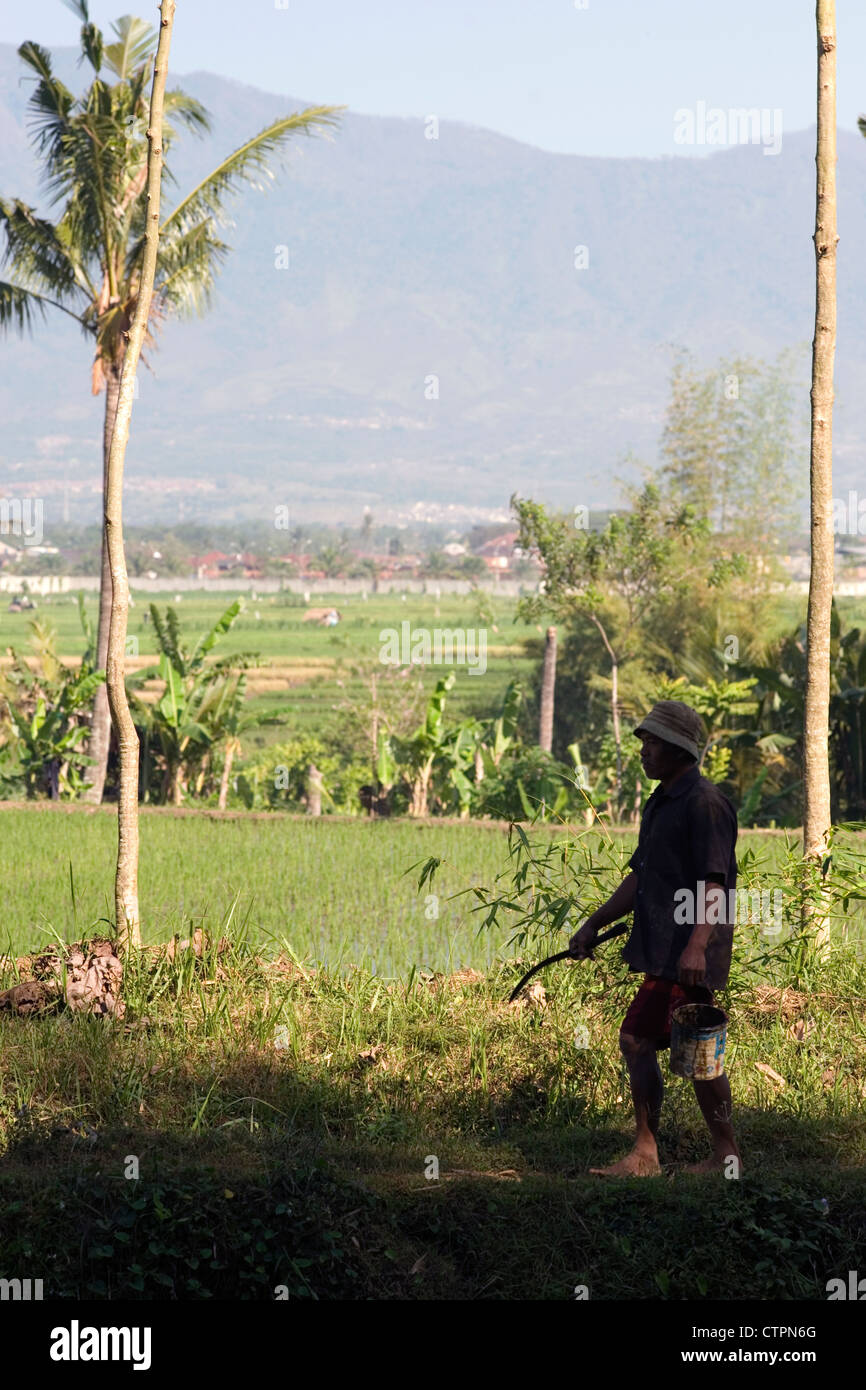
x=685 y=859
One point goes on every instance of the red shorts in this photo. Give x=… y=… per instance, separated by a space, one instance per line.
x=649 y=1013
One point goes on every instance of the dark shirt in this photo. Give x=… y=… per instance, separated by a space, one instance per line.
x=687 y=834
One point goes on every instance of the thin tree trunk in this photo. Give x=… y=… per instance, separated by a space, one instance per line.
x=227 y=772
x=374 y=732
x=816 y=761
x=548 y=685
x=420 y=790
x=126 y=876
x=314 y=791
x=614 y=708
x=100 y=724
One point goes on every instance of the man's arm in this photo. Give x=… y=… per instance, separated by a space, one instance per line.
x=619 y=904
x=693 y=961
x=712 y=833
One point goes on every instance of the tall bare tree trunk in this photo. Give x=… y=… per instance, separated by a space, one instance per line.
x=226 y=777
x=614 y=711
x=374 y=731
x=816 y=761
x=100 y=724
x=314 y=791
x=548 y=685
x=126 y=876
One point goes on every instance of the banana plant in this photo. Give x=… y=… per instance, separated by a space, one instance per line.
x=501 y=736
x=43 y=719
x=182 y=727
x=223 y=715
x=418 y=754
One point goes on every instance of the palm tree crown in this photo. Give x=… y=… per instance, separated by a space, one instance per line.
x=94 y=154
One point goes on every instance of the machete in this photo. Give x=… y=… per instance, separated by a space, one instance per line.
x=618 y=930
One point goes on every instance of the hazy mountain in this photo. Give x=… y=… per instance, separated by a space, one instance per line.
x=411 y=257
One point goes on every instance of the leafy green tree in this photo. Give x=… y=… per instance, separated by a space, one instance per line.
x=731 y=448
x=436 y=564
x=87 y=263
x=645 y=582
x=333 y=560
x=781 y=691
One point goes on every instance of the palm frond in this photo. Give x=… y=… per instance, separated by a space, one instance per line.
x=19 y=306
x=136 y=44
x=248 y=164
x=91 y=36
x=158 y=628
x=35 y=251
x=174 y=648
x=92 y=46
x=187 y=267
x=186 y=111
x=50 y=104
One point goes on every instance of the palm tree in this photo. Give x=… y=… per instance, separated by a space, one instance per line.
x=332 y=559
x=87 y=264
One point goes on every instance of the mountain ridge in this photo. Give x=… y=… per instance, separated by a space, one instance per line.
x=411 y=259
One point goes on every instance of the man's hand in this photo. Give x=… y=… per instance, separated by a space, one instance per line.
x=692 y=965
x=582 y=942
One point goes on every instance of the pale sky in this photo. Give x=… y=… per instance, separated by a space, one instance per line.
x=592 y=77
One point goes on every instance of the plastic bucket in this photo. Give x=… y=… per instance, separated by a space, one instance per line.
x=698 y=1033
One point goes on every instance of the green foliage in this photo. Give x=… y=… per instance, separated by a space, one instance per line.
x=187 y=1235
x=731 y=448
x=199 y=710
x=780 y=683
x=276 y=779
x=43 y=722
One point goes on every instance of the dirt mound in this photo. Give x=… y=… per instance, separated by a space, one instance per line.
x=86 y=975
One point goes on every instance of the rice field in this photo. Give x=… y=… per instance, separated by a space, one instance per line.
x=334 y=891
x=308 y=670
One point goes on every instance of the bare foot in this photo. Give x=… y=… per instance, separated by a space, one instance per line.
x=718 y=1163
x=634 y=1165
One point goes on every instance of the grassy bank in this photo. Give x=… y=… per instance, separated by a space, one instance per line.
x=284 y=1124
x=336 y=1106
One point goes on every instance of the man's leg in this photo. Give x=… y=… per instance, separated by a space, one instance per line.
x=647 y=1090
x=714 y=1098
